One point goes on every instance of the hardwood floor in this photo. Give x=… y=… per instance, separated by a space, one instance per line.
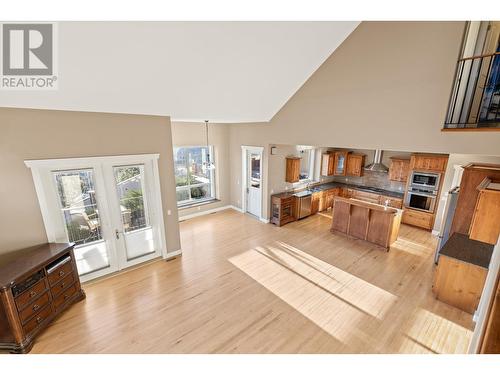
x=242 y=286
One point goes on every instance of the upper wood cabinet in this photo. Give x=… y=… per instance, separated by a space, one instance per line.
x=485 y=226
x=429 y=162
x=292 y=169
x=340 y=164
x=355 y=164
x=399 y=169
x=472 y=177
x=327 y=164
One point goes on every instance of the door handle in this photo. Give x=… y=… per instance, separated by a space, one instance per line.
x=117 y=234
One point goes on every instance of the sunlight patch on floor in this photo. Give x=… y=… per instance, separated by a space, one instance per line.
x=431 y=333
x=333 y=299
x=411 y=247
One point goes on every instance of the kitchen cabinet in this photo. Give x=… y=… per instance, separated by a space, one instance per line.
x=429 y=162
x=315 y=200
x=292 y=169
x=399 y=169
x=391 y=202
x=327 y=164
x=461 y=272
x=340 y=163
x=355 y=164
x=329 y=195
x=485 y=226
x=366 y=221
x=473 y=175
x=418 y=218
x=366 y=196
x=283 y=209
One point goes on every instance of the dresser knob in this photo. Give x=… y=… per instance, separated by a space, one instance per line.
x=36 y=307
x=61 y=273
x=39 y=319
x=63 y=285
x=32 y=293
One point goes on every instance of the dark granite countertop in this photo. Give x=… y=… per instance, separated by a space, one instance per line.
x=333 y=185
x=370 y=189
x=461 y=247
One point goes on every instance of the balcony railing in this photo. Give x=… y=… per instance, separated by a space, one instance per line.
x=475 y=99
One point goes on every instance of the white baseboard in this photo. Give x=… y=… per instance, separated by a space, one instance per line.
x=236 y=208
x=206 y=212
x=173 y=254
x=435 y=233
x=264 y=220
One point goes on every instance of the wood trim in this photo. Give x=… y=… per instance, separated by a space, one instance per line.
x=479 y=56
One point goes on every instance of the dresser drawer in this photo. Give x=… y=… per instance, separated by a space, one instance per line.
x=60 y=271
x=33 y=307
x=36 y=290
x=65 y=296
x=61 y=285
x=37 y=320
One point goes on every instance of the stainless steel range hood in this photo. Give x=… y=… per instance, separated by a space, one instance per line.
x=377 y=165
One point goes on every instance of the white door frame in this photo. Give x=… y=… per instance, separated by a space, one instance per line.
x=244 y=176
x=45 y=192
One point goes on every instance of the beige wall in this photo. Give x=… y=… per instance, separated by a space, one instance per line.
x=387 y=86
x=193 y=134
x=39 y=134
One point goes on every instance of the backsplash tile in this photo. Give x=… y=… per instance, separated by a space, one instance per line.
x=374 y=179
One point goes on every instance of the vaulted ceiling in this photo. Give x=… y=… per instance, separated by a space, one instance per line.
x=191 y=71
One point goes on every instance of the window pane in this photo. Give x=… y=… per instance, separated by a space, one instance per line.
x=78 y=205
x=200 y=192
x=183 y=195
x=193 y=178
x=130 y=195
x=305 y=164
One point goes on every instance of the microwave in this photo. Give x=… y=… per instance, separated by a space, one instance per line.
x=429 y=181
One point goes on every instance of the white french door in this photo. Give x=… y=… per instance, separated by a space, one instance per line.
x=110 y=207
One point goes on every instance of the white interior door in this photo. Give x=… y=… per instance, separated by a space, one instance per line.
x=110 y=207
x=254 y=182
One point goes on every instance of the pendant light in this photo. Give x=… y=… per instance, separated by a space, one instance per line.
x=208 y=164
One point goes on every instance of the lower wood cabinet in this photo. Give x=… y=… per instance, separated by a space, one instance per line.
x=461 y=272
x=283 y=207
x=418 y=218
x=366 y=221
x=36 y=286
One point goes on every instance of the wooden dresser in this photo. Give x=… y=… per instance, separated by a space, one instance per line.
x=36 y=285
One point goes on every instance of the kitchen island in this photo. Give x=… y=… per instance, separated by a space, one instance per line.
x=367 y=221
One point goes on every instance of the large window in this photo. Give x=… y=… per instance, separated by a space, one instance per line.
x=194 y=179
